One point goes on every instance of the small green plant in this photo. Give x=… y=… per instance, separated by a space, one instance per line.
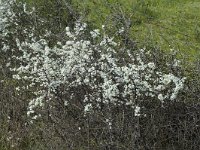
x=197 y=32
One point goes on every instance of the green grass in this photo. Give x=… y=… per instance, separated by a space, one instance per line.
x=166 y=23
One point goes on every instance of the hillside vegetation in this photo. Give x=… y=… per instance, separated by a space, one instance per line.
x=164 y=23
x=99 y=75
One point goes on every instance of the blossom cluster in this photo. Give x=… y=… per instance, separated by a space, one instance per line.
x=93 y=64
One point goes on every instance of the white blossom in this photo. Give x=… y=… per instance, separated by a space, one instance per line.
x=94 y=65
x=137 y=111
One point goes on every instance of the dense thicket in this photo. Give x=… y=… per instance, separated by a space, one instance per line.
x=66 y=85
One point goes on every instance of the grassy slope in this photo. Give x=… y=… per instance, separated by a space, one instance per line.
x=168 y=23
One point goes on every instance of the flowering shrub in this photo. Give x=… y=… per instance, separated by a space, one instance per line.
x=93 y=66
x=87 y=89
